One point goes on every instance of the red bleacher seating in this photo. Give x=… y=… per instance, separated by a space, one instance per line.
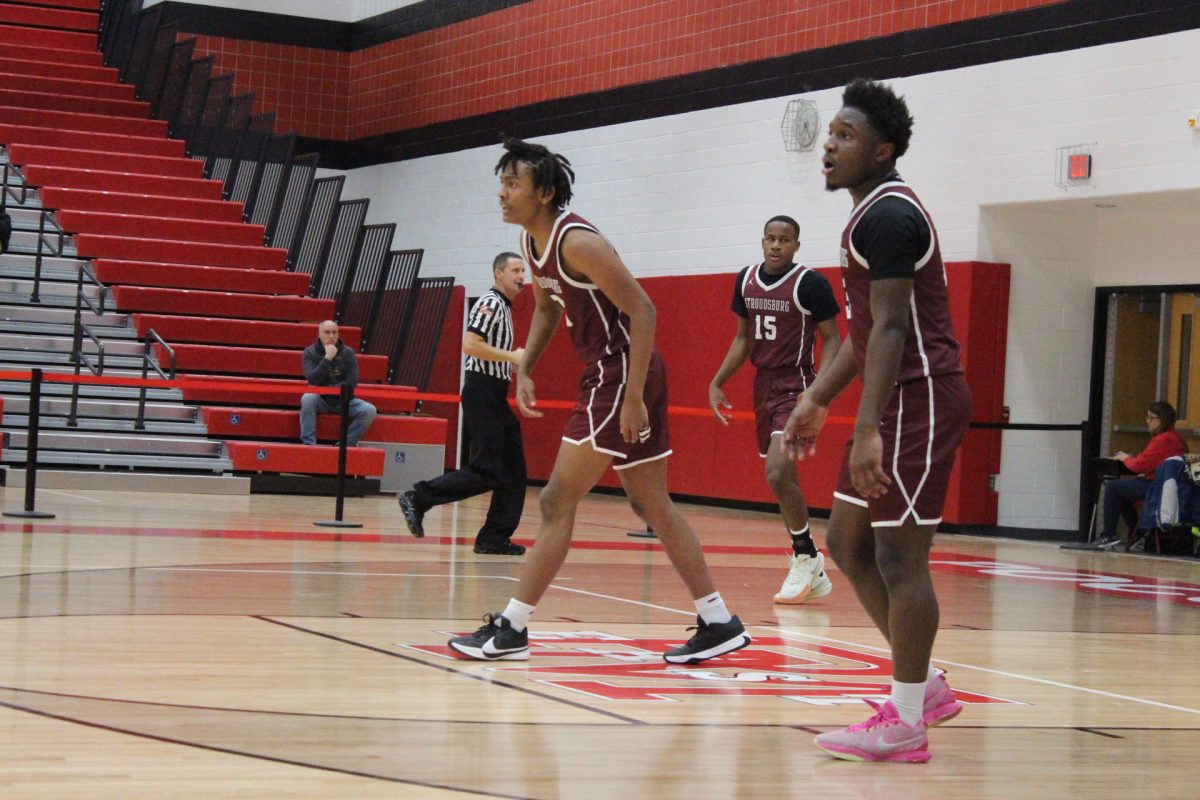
x=259 y=361
x=245 y=332
x=284 y=393
x=220 y=304
x=319 y=460
x=184 y=276
x=271 y=423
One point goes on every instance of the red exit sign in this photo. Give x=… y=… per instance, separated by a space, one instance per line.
x=1079 y=168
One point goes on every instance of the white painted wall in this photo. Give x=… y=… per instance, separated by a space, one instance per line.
x=333 y=10
x=689 y=193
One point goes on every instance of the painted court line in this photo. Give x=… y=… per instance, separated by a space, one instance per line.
x=1057 y=684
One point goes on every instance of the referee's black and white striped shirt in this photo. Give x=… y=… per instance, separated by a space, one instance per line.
x=491 y=319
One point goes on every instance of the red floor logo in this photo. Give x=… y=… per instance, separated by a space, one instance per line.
x=609 y=667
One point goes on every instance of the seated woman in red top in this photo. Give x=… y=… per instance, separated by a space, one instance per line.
x=1120 y=495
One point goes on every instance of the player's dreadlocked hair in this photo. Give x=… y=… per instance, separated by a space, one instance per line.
x=887 y=113
x=548 y=170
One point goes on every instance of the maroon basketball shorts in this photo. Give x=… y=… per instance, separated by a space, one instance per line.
x=596 y=418
x=775 y=393
x=922 y=428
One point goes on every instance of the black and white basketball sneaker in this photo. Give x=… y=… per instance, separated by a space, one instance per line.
x=413 y=516
x=494 y=641
x=709 y=641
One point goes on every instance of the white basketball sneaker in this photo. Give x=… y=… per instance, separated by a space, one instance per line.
x=806 y=579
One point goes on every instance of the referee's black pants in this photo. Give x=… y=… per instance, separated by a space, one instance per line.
x=497 y=461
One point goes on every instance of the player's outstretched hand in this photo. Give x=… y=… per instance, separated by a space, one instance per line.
x=716 y=401
x=635 y=420
x=526 y=399
x=800 y=433
x=866 y=464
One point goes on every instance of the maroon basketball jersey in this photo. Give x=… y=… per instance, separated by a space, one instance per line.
x=930 y=348
x=782 y=326
x=598 y=328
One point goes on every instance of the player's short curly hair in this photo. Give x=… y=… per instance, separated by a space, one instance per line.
x=786 y=220
x=887 y=113
x=548 y=170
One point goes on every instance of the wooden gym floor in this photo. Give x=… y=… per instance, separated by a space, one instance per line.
x=157 y=645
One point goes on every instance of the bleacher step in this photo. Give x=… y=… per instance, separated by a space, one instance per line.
x=105 y=480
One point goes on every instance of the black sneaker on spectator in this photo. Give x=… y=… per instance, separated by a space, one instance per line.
x=709 y=641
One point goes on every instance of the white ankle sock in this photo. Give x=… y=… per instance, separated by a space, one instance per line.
x=517 y=614
x=909 y=700
x=712 y=610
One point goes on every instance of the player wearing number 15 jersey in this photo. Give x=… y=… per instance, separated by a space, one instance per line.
x=782 y=308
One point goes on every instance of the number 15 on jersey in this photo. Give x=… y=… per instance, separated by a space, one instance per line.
x=764 y=327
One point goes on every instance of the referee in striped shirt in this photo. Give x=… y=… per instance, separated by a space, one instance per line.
x=497 y=459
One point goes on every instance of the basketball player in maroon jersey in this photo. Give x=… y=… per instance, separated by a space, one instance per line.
x=620 y=417
x=781 y=307
x=913 y=413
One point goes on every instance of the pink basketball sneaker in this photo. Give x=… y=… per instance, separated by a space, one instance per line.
x=884 y=737
x=940 y=704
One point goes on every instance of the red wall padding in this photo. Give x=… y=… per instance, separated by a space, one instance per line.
x=694 y=331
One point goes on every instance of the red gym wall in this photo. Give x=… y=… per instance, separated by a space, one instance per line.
x=694 y=331
x=550 y=49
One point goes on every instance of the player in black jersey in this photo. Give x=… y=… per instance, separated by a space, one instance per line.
x=782 y=308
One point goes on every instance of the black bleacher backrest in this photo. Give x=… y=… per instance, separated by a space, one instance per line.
x=284 y=223
x=316 y=225
x=222 y=150
x=191 y=105
x=251 y=150
x=157 y=62
x=216 y=97
x=418 y=345
x=341 y=249
x=361 y=294
x=121 y=20
x=381 y=334
x=266 y=190
x=174 y=82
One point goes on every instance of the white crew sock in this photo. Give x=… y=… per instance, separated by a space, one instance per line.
x=517 y=614
x=712 y=610
x=909 y=700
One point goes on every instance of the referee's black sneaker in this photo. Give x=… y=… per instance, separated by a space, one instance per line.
x=505 y=548
x=494 y=641
x=709 y=641
x=414 y=517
